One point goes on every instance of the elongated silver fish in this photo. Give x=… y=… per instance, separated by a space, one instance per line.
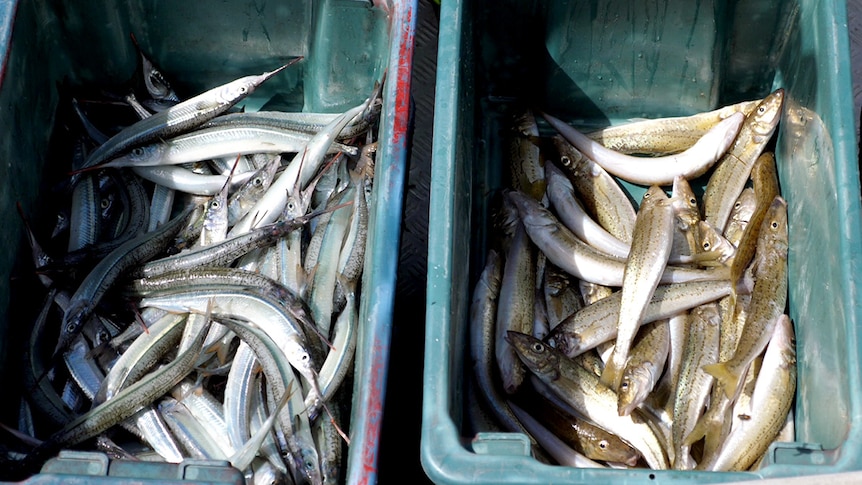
x=601 y=194
x=483 y=312
x=645 y=365
x=691 y=163
x=564 y=249
x=181 y=117
x=665 y=135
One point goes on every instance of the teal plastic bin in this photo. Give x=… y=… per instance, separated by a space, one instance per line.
x=346 y=44
x=605 y=62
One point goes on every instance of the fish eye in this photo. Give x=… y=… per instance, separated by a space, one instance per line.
x=70 y=328
x=105 y=203
x=243 y=89
x=706 y=246
x=624 y=385
x=603 y=444
x=565 y=160
x=775 y=224
x=257 y=182
x=215 y=204
x=538 y=347
x=138 y=152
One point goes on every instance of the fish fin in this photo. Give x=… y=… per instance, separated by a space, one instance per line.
x=222 y=352
x=612 y=375
x=726 y=378
x=625 y=408
x=698 y=432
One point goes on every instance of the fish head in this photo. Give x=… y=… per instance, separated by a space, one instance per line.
x=773 y=230
x=654 y=195
x=238 y=89
x=571 y=158
x=567 y=343
x=73 y=321
x=532 y=212
x=744 y=206
x=615 y=450
x=634 y=388
x=765 y=116
x=146 y=155
x=684 y=202
x=535 y=353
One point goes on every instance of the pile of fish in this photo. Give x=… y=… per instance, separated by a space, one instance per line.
x=654 y=334
x=201 y=284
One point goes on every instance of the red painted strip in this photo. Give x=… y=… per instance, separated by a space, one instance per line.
x=403 y=22
x=402 y=88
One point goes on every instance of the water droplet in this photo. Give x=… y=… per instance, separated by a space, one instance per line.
x=600 y=77
x=640 y=55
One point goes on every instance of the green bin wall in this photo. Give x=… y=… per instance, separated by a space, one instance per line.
x=604 y=62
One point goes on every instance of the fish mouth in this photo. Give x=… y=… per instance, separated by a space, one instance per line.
x=633 y=460
x=277 y=70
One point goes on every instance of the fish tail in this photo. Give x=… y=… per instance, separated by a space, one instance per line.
x=713 y=430
x=698 y=432
x=612 y=374
x=732 y=299
x=726 y=377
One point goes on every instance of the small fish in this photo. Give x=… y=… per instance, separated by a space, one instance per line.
x=182 y=117
x=665 y=135
x=768 y=298
x=740 y=214
x=645 y=365
x=515 y=306
x=773 y=396
x=581 y=390
x=732 y=172
x=651 y=245
x=690 y=163
x=693 y=387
